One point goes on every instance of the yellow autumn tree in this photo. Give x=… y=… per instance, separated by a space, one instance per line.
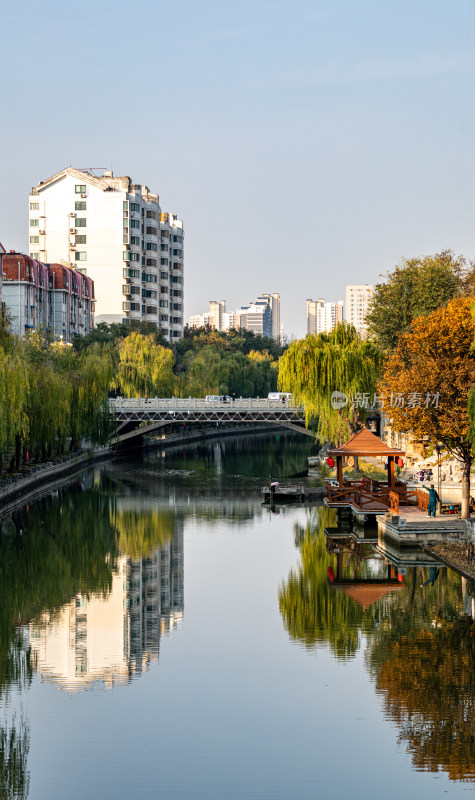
x=432 y=370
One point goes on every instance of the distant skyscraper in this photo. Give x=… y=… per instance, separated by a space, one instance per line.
x=323 y=317
x=261 y=317
x=357 y=302
x=216 y=311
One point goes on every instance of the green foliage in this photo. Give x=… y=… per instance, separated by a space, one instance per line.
x=314 y=367
x=112 y=333
x=145 y=368
x=413 y=289
x=50 y=393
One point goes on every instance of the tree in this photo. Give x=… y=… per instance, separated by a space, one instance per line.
x=427 y=681
x=433 y=370
x=145 y=368
x=315 y=367
x=413 y=289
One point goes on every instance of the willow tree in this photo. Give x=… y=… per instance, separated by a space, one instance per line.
x=312 y=369
x=145 y=368
x=13 y=393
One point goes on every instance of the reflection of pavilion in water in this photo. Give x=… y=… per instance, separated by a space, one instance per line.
x=110 y=639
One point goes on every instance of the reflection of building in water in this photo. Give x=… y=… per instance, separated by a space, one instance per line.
x=110 y=639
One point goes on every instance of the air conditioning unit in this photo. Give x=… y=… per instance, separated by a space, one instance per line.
x=72 y=230
x=42 y=233
x=84 y=195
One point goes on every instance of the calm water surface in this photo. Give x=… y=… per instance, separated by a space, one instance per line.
x=163 y=634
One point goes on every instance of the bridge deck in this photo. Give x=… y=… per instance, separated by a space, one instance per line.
x=200 y=410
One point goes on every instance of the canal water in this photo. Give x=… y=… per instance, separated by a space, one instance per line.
x=164 y=634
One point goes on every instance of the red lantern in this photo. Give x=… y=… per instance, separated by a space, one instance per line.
x=400 y=462
x=330 y=462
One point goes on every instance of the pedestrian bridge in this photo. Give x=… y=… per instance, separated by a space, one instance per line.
x=139 y=416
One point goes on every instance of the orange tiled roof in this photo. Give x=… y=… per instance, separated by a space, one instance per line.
x=365 y=443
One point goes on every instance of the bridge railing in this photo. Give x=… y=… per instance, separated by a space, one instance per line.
x=187 y=403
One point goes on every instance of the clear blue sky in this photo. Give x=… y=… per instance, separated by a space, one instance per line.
x=306 y=145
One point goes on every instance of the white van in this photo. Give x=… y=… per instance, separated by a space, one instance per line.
x=283 y=396
x=211 y=398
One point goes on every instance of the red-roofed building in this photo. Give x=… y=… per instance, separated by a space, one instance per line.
x=48 y=297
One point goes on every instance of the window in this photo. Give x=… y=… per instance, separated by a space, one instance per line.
x=126 y=255
x=125 y=205
x=135 y=223
x=135 y=240
x=177 y=293
x=135 y=207
x=34 y=239
x=34 y=255
x=151 y=231
x=164 y=261
x=125 y=223
x=80 y=238
x=177 y=253
x=149 y=278
x=164 y=276
x=163 y=317
x=135 y=290
x=130 y=273
x=176 y=307
x=135 y=306
x=163 y=303
x=151 y=246
x=176 y=279
x=151 y=262
x=34 y=206
x=176 y=334
x=164 y=248
x=80 y=188
x=151 y=215
x=134 y=256
x=164 y=289
x=80 y=222
x=80 y=205
x=80 y=255
x=34 y=223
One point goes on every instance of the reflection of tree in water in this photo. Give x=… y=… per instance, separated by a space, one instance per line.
x=423 y=662
x=314 y=613
x=14 y=748
x=62 y=546
x=140 y=532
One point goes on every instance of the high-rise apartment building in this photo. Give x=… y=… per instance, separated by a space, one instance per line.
x=357 y=301
x=217 y=309
x=322 y=317
x=274 y=303
x=111 y=229
x=171 y=279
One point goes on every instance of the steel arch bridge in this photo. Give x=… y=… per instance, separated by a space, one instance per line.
x=140 y=416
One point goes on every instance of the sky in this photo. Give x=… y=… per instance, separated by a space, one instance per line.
x=305 y=144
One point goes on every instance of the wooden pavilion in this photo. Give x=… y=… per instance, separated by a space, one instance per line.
x=364 y=495
x=365 y=443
